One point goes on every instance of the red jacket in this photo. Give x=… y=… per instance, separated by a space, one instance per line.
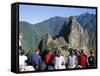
x=48 y=58
x=83 y=60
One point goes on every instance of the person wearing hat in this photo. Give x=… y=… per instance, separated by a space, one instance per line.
x=91 y=59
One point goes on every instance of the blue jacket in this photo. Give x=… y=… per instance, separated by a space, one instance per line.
x=36 y=59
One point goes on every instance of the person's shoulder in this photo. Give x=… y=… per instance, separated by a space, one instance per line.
x=25 y=57
x=85 y=55
x=61 y=56
x=34 y=55
x=56 y=57
x=20 y=56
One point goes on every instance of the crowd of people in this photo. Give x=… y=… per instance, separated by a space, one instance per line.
x=55 y=61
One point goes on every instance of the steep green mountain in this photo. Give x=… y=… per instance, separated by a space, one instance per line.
x=30 y=39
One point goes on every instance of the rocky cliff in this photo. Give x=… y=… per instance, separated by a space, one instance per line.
x=76 y=36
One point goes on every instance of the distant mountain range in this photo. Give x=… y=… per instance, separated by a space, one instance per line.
x=80 y=30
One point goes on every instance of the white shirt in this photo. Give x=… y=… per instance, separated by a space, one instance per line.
x=58 y=62
x=71 y=61
x=22 y=63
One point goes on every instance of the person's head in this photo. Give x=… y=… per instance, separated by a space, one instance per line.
x=83 y=52
x=49 y=52
x=92 y=51
x=37 y=51
x=59 y=52
x=72 y=52
x=20 y=47
x=22 y=52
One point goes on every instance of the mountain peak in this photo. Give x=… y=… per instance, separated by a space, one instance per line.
x=73 y=19
x=85 y=14
x=73 y=22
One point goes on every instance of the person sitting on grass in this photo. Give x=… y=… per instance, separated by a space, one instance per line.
x=36 y=60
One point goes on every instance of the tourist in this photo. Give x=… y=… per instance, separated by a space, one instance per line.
x=22 y=59
x=72 y=60
x=48 y=59
x=91 y=59
x=59 y=62
x=77 y=53
x=36 y=60
x=83 y=59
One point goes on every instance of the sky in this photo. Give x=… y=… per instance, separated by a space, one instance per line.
x=35 y=14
